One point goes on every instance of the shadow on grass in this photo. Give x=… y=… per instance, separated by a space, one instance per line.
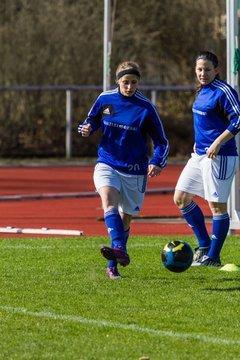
x=223 y=289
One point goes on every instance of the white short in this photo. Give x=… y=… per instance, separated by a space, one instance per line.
x=208 y=178
x=131 y=187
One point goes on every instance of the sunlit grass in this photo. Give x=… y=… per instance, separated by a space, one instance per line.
x=57 y=303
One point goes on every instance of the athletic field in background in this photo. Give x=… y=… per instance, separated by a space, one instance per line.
x=56 y=301
x=64 y=197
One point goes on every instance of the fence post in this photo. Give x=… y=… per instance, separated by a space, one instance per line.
x=232 y=79
x=107 y=45
x=68 y=124
x=154 y=97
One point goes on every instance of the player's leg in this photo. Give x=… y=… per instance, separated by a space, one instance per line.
x=126 y=218
x=110 y=198
x=190 y=184
x=131 y=199
x=193 y=215
x=219 y=173
x=218 y=176
x=108 y=186
x=114 y=224
x=220 y=227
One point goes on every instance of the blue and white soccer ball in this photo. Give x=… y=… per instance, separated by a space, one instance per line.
x=177 y=256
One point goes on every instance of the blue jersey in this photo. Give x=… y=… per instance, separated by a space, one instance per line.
x=216 y=109
x=125 y=123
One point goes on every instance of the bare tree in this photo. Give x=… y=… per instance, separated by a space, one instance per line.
x=60 y=42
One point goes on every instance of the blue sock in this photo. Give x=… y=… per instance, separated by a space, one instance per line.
x=220 y=227
x=126 y=236
x=195 y=219
x=115 y=229
x=112 y=263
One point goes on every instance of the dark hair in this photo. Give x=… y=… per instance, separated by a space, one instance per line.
x=207 y=55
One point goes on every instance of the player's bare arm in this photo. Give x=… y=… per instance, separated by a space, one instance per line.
x=213 y=150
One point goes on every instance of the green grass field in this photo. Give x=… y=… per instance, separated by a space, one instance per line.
x=57 y=303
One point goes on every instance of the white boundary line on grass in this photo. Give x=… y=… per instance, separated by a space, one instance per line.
x=129 y=327
x=84 y=246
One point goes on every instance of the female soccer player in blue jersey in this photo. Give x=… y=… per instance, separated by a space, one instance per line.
x=126 y=118
x=211 y=168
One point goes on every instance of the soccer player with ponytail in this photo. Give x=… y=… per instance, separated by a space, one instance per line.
x=210 y=170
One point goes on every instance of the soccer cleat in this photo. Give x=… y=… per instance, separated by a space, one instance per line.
x=198 y=255
x=115 y=254
x=207 y=261
x=112 y=273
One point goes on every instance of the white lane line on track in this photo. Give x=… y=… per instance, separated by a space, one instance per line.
x=128 y=327
x=86 y=246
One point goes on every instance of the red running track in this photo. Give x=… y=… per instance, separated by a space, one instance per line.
x=83 y=213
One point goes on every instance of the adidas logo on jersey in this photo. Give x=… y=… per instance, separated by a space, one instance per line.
x=106 y=111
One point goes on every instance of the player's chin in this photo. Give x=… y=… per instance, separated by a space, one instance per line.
x=204 y=82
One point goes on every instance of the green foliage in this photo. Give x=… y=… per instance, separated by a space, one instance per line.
x=57 y=303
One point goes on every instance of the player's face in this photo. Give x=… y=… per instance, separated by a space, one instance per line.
x=205 y=71
x=128 y=84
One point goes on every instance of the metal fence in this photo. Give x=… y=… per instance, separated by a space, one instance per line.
x=69 y=89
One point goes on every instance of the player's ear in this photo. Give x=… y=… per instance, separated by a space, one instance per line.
x=217 y=70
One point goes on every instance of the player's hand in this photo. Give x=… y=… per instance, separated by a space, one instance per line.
x=154 y=170
x=85 y=130
x=213 y=151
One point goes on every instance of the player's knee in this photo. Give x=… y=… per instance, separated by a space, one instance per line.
x=179 y=200
x=218 y=208
x=107 y=208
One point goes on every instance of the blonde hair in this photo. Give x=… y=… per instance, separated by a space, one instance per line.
x=128 y=67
